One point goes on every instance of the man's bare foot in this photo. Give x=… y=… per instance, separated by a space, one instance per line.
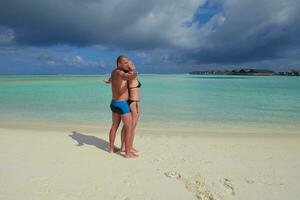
x=131 y=155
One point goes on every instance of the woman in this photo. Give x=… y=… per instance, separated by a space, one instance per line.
x=134 y=104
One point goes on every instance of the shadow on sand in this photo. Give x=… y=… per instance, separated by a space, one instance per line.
x=82 y=139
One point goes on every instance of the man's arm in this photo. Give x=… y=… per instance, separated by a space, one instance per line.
x=128 y=76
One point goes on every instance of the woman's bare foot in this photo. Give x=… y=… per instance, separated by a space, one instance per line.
x=134 y=150
x=131 y=155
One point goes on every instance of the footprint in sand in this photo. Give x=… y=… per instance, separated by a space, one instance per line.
x=249 y=181
x=200 y=188
x=173 y=174
x=196 y=185
x=228 y=184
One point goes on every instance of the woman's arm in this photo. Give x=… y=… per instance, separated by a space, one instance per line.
x=107 y=81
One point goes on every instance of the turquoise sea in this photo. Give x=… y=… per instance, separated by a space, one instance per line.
x=168 y=101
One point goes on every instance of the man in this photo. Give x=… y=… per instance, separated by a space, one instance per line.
x=119 y=105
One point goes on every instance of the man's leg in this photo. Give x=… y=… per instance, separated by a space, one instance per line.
x=116 y=119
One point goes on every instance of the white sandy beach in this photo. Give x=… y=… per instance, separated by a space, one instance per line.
x=76 y=165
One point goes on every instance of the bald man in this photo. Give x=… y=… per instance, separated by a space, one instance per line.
x=119 y=105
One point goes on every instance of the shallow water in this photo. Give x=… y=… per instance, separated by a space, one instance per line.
x=169 y=101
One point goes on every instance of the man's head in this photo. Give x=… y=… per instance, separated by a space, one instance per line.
x=123 y=63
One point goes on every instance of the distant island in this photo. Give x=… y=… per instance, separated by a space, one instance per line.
x=254 y=72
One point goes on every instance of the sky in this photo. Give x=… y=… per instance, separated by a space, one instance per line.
x=159 y=36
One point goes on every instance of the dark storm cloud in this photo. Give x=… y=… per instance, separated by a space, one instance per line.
x=133 y=24
x=236 y=32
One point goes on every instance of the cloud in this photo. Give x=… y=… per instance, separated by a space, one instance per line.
x=78 y=61
x=7 y=36
x=246 y=31
x=70 y=59
x=161 y=33
x=131 y=25
x=51 y=60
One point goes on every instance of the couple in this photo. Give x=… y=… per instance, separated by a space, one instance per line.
x=125 y=105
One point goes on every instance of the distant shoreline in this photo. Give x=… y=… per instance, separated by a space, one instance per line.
x=248 y=72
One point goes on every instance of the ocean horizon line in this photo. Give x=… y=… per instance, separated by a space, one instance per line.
x=88 y=74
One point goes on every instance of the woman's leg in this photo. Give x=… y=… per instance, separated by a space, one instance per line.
x=135 y=112
x=127 y=121
x=116 y=119
x=123 y=139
